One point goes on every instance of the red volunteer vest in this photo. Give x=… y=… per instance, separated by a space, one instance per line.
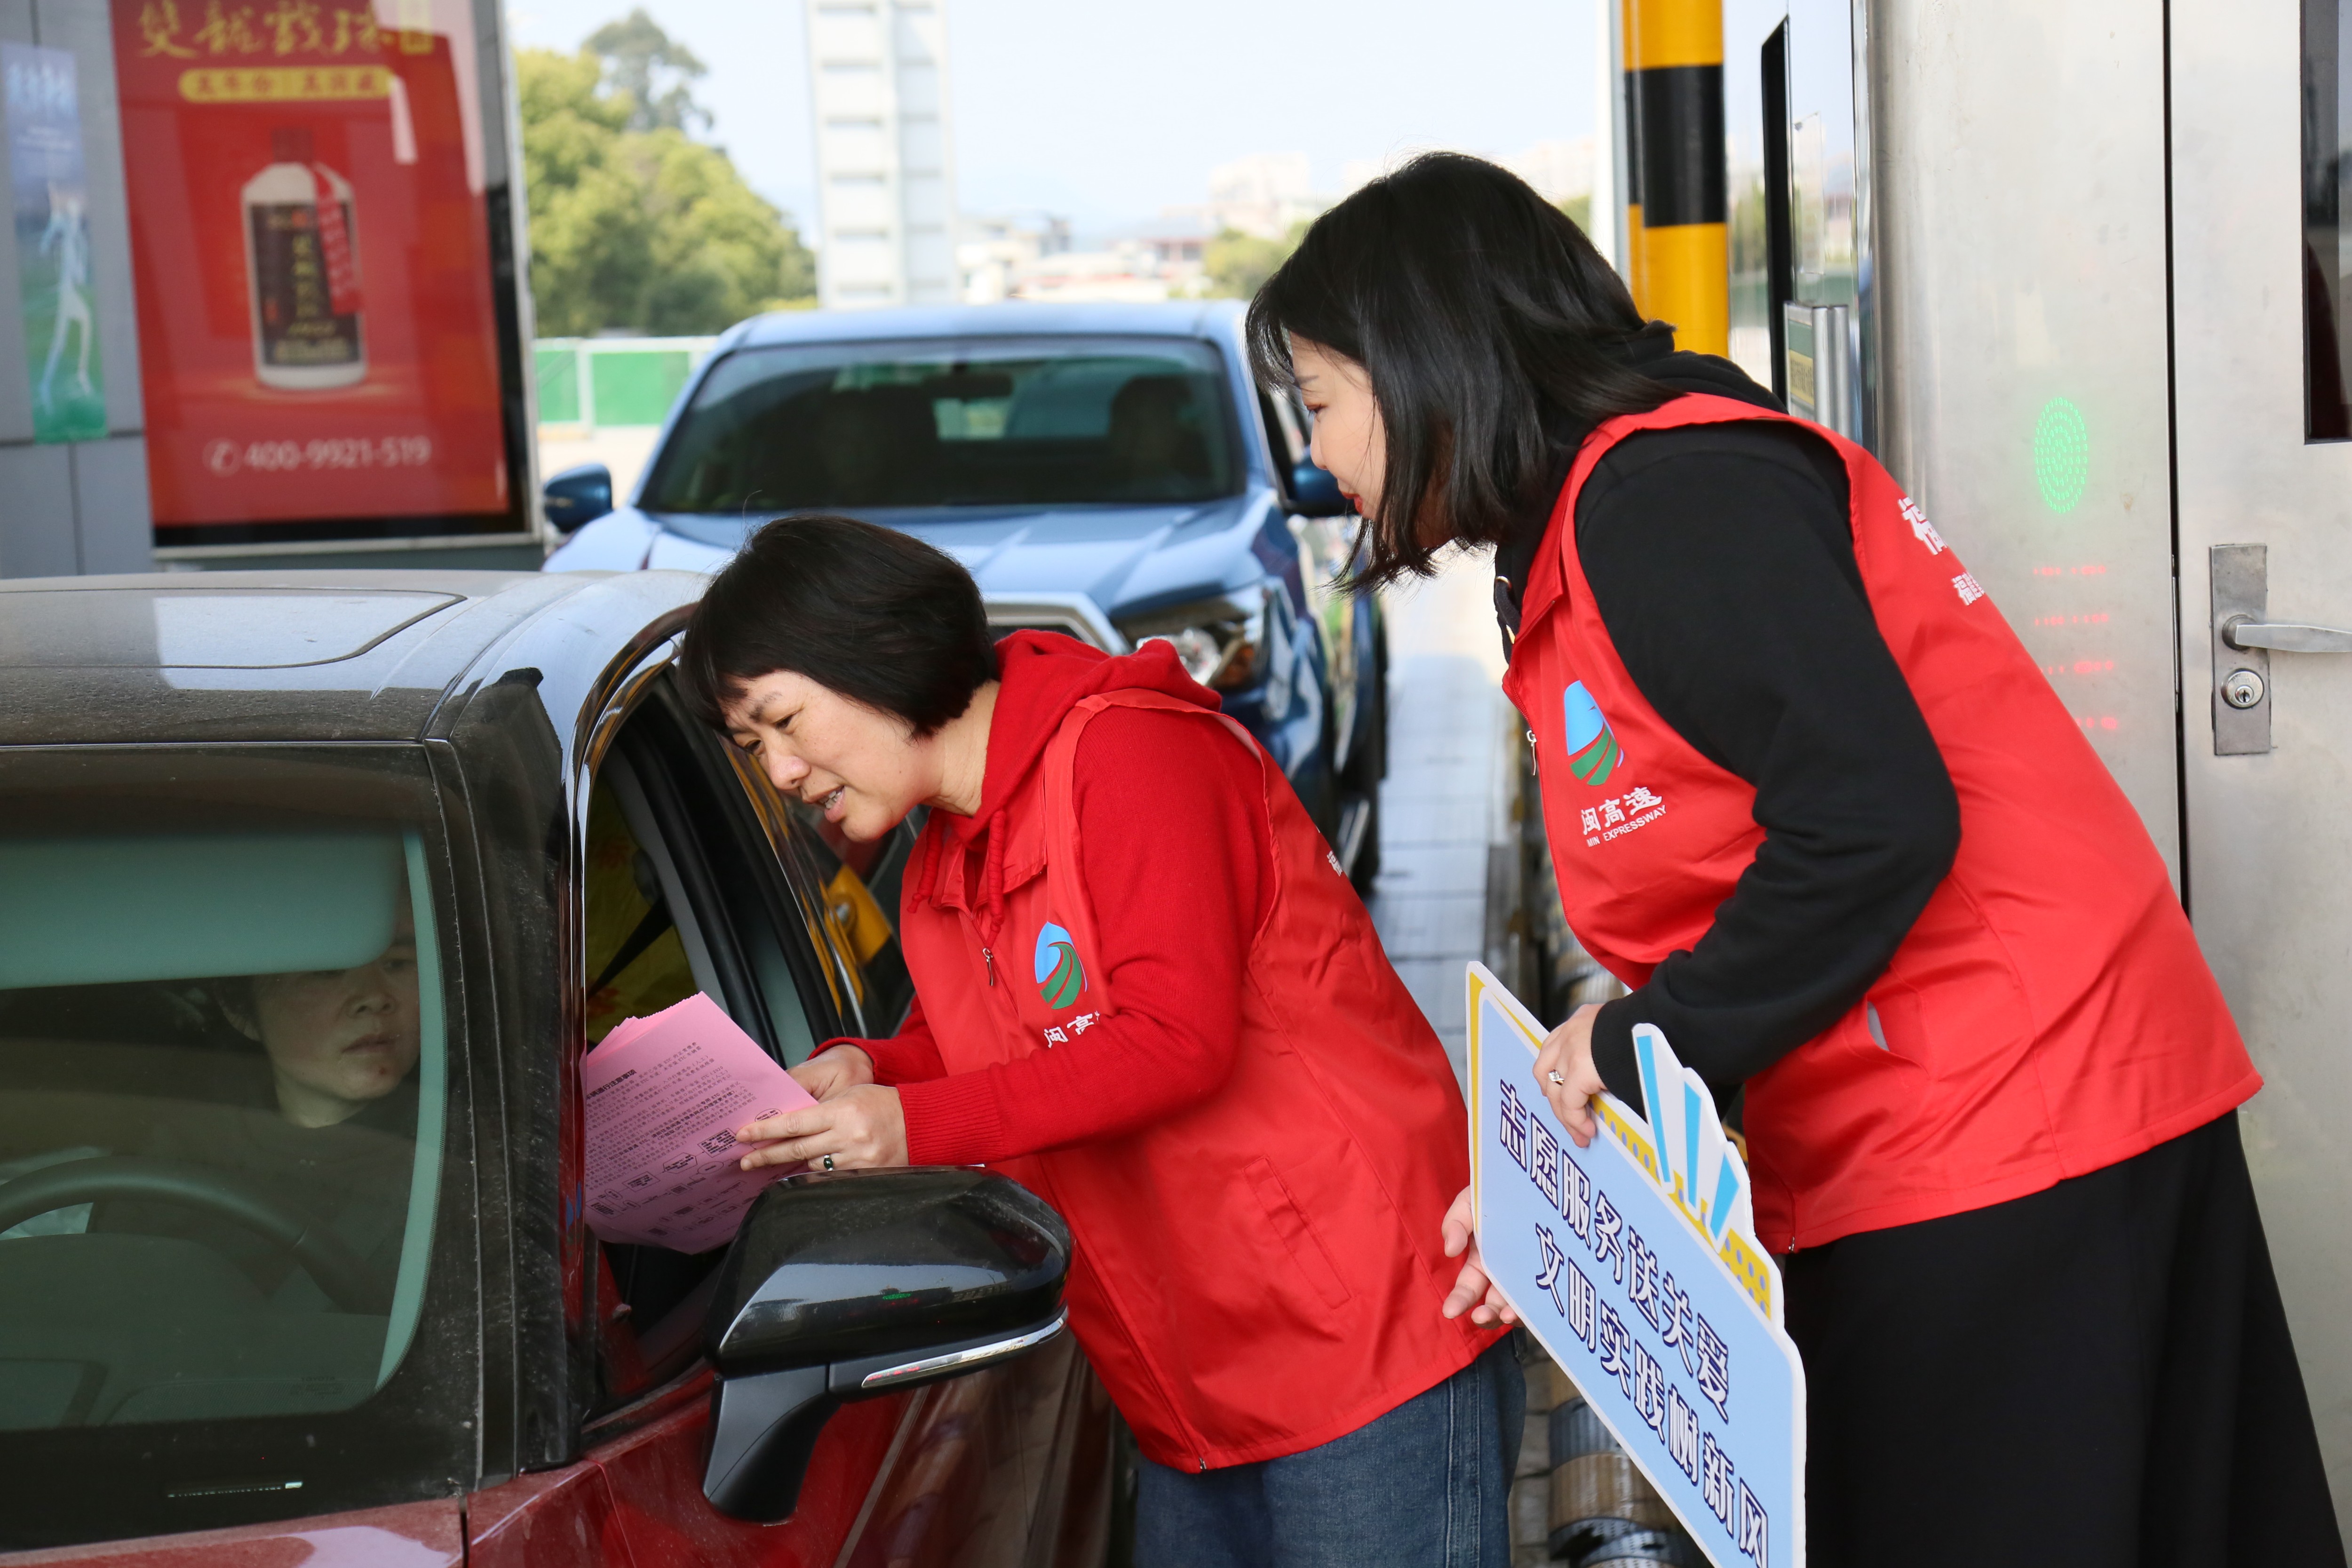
x=2048 y=1013
x=1261 y=1272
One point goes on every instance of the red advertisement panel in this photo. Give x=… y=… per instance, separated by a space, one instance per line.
x=317 y=335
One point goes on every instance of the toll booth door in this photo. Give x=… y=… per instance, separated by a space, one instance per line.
x=2264 y=495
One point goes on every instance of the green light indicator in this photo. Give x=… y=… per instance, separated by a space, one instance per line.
x=2062 y=453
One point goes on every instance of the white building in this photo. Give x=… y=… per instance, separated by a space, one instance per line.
x=1560 y=170
x=1126 y=275
x=1261 y=194
x=886 y=167
x=1158 y=259
x=998 y=248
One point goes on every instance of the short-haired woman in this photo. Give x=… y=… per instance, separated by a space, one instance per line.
x=1145 y=990
x=1814 y=801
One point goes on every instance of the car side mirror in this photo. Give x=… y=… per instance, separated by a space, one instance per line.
x=577 y=497
x=1315 y=493
x=851 y=1284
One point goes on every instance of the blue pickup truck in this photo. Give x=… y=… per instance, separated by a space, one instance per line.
x=1110 y=471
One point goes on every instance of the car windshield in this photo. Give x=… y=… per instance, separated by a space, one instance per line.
x=1035 y=422
x=222 y=1065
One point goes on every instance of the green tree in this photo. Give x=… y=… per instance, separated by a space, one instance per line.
x=1239 y=264
x=643 y=230
x=639 y=60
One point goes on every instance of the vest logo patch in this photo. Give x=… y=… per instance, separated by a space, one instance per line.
x=1060 y=976
x=1620 y=815
x=1593 y=749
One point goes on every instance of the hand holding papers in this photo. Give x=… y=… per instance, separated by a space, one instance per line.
x=664 y=1097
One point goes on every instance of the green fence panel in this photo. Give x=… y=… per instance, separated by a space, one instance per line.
x=637 y=387
x=556 y=367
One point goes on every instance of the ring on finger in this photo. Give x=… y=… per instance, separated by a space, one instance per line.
x=828 y=1161
x=1558 y=1076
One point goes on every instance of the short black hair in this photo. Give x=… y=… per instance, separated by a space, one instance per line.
x=877 y=615
x=1487 y=322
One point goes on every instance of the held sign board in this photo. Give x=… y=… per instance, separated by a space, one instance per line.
x=1635 y=1263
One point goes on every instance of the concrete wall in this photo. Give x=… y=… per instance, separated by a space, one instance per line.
x=73 y=506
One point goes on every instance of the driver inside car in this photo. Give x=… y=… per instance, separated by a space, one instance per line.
x=1154 y=455
x=338 y=1041
x=332 y=1129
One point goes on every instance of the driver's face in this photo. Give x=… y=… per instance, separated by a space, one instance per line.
x=339 y=1038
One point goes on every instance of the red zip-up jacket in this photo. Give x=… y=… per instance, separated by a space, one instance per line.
x=1176 y=909
x=1148 y=992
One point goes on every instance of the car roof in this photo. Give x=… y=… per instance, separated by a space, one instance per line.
x=1181 y=317
x=323 y=655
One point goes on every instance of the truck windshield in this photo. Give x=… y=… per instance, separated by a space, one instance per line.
x=1032 y=422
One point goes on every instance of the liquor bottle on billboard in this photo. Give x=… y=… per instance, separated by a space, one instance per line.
x=301 y=253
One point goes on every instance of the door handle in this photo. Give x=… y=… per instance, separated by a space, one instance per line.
x=2244 y=632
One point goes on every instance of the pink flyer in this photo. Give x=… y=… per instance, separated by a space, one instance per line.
x=664 y=1096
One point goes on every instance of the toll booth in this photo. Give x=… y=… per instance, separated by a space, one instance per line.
x=2080 y=277
x=264 y=298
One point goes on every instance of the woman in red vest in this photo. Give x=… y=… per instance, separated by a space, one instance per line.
x=1145 y=990
x=1813 y=803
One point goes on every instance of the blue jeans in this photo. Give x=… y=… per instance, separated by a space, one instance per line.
x=1425 y=1486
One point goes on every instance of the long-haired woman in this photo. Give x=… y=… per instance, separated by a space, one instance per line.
x=1813 y=803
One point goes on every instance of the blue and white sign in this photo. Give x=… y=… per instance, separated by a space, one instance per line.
x=1635 y=1263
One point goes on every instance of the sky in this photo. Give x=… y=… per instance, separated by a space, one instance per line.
x=1107 y=110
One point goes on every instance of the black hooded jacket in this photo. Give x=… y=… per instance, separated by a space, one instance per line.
x=1721 y=560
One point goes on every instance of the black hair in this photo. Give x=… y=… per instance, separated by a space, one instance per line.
x=1488 y=324
x=877 y=615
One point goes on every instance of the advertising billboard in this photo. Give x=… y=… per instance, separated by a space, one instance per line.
x=49 y=198
x=313 y=252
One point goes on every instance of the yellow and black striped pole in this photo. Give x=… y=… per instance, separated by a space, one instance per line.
x=1632 y=90
x=1679 y=245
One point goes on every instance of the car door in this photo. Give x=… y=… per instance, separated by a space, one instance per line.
x=240 y=1292
x=697 y=877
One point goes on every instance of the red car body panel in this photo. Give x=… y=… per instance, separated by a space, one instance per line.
x=1005 y=1467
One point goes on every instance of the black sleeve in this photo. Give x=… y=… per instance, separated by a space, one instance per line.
x=1721 y=563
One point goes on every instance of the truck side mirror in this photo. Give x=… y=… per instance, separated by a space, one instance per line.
x=577 y=497
x=850 y=1284
x=1315 y=493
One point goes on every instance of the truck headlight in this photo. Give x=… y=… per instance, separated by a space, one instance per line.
x=1217 y=641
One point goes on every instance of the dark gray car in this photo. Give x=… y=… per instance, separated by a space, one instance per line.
x=314 y=888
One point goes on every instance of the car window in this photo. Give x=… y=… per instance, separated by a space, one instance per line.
x=693 y=869
x=645 y=945
x=965 y=424
x=225 y=1089
x=848 y=899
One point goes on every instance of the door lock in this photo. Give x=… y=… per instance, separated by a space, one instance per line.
x=2240 y=583
x=2244 y=637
